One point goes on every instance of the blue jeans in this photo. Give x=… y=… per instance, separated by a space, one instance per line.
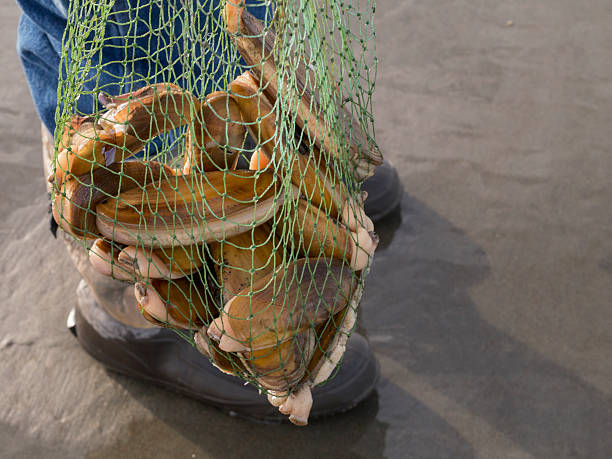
x=39 y=45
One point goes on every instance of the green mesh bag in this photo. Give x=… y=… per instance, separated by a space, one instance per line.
x=213 y=158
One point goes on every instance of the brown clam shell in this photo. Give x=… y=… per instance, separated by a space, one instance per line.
x=294 y=298
x=75 y=202
x=190 y=209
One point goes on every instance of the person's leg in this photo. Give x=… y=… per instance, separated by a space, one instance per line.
x=38 y=46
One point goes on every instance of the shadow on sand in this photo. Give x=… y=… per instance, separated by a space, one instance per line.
x=418 y=311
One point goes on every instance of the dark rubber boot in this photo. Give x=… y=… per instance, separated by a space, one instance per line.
x=384 y=192
x=162 y=357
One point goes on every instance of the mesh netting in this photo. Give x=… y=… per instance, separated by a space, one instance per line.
x=212 y=155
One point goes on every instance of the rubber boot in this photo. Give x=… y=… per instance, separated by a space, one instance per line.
x=160 y=356
x=384 y=192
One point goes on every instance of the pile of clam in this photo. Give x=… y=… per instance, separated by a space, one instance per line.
x=264 y=265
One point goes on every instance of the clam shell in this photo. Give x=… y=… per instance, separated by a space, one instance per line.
x=103 y=256
x=184 y=210
x=169 y=263
x=76 y=199
x=294 y=298
x=244 y=259
x=281 y=367
x=225 y=362
x=185 y=303
x=149 y=111
x=318 y=234
x=216 y=135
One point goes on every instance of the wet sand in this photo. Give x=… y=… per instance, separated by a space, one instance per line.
x=489 y=301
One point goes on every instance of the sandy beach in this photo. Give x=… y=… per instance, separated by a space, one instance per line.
x=489 y=301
